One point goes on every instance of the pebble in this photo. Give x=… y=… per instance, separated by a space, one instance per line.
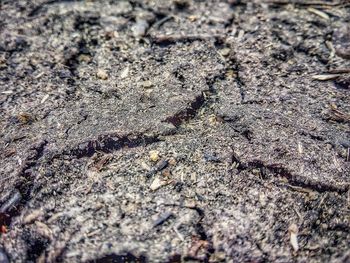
x=102 y=74
x=230 y=74
x=154 y=155
x=140 y=28
x=193 y=177
x=192 y=18
x=147 y=84
x=212 y=120
x=124 y=73
x=225 y=52
x=84 y=58
x=157 y=183
x=172 y=161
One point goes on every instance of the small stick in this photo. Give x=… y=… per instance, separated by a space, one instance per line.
x=164 y=217
x=317 y=3
x=339 y=71
x=318 y=13
x=162 y=21
x=158 y=167
x=338 y=115
x=325 y=77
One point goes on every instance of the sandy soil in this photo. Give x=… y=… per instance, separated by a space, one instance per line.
x=174 y=130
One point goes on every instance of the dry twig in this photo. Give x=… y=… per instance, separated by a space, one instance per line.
x=338 y=115
x=309 y=3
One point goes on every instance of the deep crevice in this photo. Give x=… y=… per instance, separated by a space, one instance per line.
x=241 y=85
x=295 y=180
x=110 y=143
x=119 y=258
x=187 y=113
x=166 y=40
x=198 y=103
x=14 y=202
x=36 y=246
x=39 y=8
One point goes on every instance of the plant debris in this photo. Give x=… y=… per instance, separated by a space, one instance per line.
x=167 y=131
x=293 y=233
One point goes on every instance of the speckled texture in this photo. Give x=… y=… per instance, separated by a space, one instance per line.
x=251 y=146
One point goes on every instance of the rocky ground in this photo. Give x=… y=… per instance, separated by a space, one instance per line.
x=174 y=130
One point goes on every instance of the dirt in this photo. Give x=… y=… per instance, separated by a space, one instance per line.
x=177 y=130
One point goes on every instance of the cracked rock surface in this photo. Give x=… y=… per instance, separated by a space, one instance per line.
x=177 y=130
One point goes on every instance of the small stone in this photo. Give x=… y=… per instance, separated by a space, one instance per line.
x=157 y=183
x=102 y=74
x=218 y=257
x=193 y=177
x=124 y=73
x=154 y=155
x=84 y=58
x=212 y=120
x=262 y=199
x=192 y=18
x=230 y=74
x=172 y=161
x=147 y=84
x=225 y=52
x=140 y=28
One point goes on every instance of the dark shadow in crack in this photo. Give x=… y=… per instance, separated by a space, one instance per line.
x=109 y=143
x=188 y=113
x=119 y=258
